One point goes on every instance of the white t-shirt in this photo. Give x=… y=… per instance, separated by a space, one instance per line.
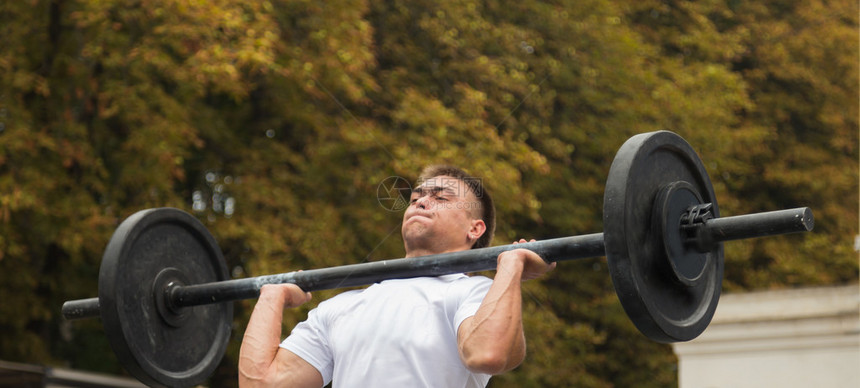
x=397 y=333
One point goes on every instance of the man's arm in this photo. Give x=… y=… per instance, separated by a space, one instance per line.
x=492 y=341
x=262 y=363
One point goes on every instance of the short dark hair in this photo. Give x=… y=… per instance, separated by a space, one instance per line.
x=488 y=210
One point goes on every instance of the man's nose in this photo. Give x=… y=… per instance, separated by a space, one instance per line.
x=422 y=202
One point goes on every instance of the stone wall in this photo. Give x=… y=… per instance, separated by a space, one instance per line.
x=791 y=338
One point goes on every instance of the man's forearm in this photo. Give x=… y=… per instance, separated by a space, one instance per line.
x=257 y=356
x=493 y=341
x=262 y=337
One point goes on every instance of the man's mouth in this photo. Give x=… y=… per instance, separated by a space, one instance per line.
x=419 y=215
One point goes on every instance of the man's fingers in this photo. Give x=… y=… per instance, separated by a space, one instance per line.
x=291 y=294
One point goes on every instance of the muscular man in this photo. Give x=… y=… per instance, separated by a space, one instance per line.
x=446 y=331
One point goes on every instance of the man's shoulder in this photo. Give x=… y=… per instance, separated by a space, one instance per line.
x=343 y=297
x=458 y=279
x=475 y=279
x=470 y=284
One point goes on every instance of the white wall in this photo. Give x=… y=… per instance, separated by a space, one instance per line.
x=791 y=338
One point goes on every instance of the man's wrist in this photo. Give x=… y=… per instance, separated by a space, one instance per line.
x=511 y=261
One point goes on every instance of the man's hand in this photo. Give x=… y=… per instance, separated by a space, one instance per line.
x=533 y=266
x=288 y=295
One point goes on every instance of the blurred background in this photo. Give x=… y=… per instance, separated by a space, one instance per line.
x=275 y=122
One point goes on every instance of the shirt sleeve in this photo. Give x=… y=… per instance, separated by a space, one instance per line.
x=472 y=291
x=309 y=340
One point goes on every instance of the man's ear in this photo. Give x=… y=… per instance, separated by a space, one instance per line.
x=477 y=229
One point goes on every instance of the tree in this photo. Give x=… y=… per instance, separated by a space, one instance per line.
x=275 y=123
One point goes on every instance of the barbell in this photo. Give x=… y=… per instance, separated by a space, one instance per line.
x=163 y=280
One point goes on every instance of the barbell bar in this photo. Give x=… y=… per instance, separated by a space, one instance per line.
x=718 y=230
x=163 y=281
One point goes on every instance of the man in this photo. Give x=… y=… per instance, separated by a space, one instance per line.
x=446 y=331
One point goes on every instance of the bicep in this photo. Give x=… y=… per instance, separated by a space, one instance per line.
x=294 y=371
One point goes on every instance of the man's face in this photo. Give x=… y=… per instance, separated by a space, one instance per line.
x=443 y=216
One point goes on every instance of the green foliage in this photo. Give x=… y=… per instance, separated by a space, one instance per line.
x=294 y=112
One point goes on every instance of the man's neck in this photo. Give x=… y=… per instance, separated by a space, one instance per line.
x=424 y=251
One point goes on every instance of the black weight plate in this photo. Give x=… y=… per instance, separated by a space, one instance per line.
x=158 y=352
x=661 y=307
